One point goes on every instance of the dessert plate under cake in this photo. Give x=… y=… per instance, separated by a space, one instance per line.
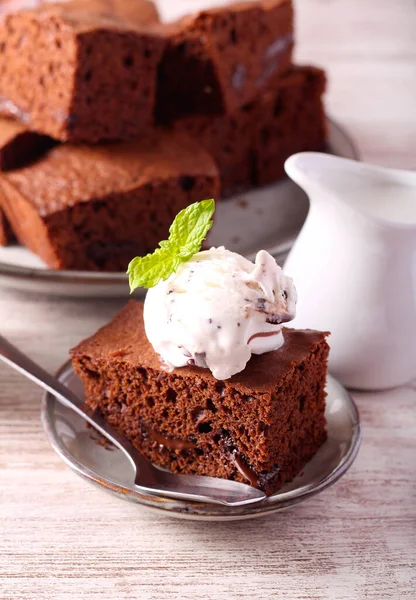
x=268 y=218
x=93 y=459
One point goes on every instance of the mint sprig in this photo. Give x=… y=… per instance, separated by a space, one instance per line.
x=186 y=235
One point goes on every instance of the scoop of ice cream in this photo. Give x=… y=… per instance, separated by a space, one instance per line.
x=217 y=309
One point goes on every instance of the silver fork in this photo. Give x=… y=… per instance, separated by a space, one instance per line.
x=148 y=478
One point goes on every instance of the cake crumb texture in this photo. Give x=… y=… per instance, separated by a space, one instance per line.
x=82 y=76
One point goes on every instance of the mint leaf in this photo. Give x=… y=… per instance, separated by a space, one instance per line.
x=148 y=270
x=190 y=228
x=186 y=235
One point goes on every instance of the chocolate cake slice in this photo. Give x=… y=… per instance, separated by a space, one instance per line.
x=218 y=60
x=18 y=146
x=94 y=207
x=259 y=427
x=251 y=144
x=78 y=75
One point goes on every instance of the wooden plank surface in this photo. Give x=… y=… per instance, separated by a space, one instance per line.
x=62 y=539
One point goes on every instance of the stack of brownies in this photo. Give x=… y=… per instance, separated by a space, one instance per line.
x=112 y=122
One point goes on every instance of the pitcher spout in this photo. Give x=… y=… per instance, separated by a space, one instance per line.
x=384 y=196
x=311 y=170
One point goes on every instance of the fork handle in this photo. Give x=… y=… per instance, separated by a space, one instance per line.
x=147 y=477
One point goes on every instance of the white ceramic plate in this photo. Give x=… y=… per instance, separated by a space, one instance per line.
x=106 y=466
x=269 y=218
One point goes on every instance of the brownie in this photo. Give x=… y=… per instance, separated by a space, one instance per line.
x=82 y=76
x=18 y=146
x=218 y=60
x=293 y=120
x=260 y=427
x=95 y=207
x=251 y=145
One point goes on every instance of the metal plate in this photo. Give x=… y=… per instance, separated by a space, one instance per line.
x=269 y=218
x=107 y=467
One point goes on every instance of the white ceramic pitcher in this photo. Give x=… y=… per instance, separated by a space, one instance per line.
x=354 y=266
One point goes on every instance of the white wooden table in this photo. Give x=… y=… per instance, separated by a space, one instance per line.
x=62 y=539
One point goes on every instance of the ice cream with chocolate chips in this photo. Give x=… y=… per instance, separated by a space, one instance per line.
x=218 y=309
